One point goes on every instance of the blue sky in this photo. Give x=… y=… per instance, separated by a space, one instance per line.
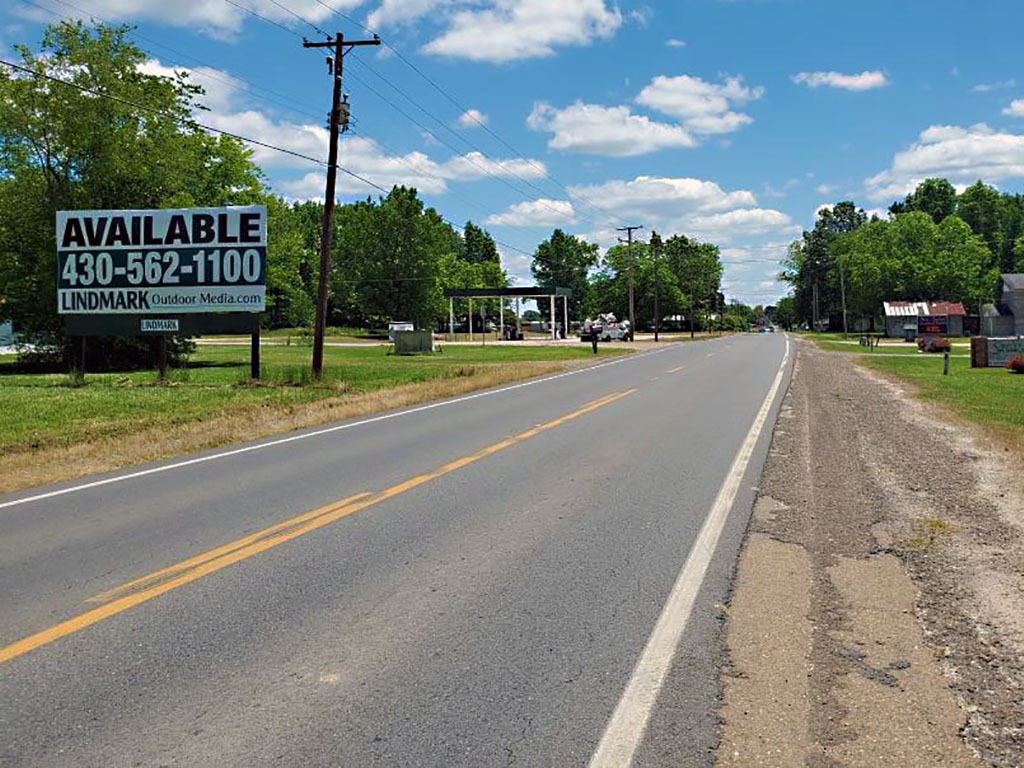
x=730 y=121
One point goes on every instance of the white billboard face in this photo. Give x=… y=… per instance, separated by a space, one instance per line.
x=162 y=261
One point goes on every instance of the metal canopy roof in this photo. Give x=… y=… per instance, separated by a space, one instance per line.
x=522 y=292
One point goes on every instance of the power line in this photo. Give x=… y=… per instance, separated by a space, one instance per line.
x=487 y=172
x=250 y=11
x=286 y=9
x=464 y=110
x=181 y=120
x=252 y=88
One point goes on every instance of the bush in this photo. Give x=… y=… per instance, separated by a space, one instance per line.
x=1016 y=365
x=933 y=344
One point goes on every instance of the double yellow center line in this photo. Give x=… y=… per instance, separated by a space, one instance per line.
x=153 y=585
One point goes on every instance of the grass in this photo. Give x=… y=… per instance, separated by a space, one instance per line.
x=991 y=397
x=49 y=409
x=834 y=342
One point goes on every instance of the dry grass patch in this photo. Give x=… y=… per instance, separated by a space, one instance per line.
x=26 y=468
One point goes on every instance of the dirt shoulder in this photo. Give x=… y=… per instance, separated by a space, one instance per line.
x=878 y=613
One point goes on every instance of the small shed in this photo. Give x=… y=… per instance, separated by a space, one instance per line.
x=942 y=318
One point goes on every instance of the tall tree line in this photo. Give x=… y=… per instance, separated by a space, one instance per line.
x=936 y=245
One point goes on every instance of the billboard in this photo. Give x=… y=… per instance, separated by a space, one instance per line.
x=162 y=262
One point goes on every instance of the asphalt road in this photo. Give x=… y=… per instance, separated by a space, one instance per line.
x=486 y=604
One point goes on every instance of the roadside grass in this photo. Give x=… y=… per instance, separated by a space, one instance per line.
x=834 y=342
x=44 y=411
x=991 y=397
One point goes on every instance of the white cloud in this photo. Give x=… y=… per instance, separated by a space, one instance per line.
x=825 y=189
x=864 y=81
x=521 y=29
x=642 y=16
x=988 y=87
x=962 y=155
x=1015 y=108
x=742 y=222
x=703 y=107
x=675 y=43
x=694 y=207
x=614 y=131
x=221 y=89
x=473 y=166
x=218 y=18
x=394 y=12
x=472 y=118
x=537 y=213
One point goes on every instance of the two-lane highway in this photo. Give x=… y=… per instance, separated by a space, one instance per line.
x=527 y=576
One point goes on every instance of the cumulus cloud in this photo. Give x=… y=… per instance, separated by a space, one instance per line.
x=694 y=207
x=596 y=129
x=703 y=107
x=472 y=118
x=221 y=89
x=394 y=12
x=864 y=81
x=962 y=155
x=742 y=222
x=507 y=30
x=1015 y=108
x=536 y=213
x=675 y=43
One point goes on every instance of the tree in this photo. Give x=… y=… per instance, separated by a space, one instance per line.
x=979 y=205
x=565 y=261
x=479 y=245
x=785 y=313
x=936 y=197
x=63 y=149
x=810 y=267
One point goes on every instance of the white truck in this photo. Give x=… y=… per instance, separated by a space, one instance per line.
x=606 y=328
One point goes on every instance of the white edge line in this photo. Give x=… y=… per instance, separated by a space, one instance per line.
x=319 y=432
x=625 y=729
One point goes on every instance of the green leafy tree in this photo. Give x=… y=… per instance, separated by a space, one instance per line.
x=936 y=197
x=479 y=246
x=979 y=205
x=64 y=149
x=810 y=262
x=565 y=261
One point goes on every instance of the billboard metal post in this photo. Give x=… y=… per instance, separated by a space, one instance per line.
x=254 y=354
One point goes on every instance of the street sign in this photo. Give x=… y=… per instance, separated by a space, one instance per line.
x=160 y=262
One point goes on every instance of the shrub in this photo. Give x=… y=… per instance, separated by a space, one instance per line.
x=1016 y=364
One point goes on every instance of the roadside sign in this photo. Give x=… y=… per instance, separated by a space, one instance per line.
x=160 y=262
x=933 y=325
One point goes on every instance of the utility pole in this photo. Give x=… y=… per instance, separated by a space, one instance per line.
x=629 y=258
x=693 y=309
x=842 y=288
x=656 y=248
x=814 y=309
x=338 y=120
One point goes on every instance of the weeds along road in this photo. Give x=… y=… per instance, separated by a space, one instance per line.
x=527 y=576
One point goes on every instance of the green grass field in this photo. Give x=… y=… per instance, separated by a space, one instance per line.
x=993 y=397
x=834 y=342
x=43 y=410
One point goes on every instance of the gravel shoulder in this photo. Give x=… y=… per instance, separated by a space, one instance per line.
x=877 y=616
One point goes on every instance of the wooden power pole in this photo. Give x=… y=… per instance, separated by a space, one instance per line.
x=338 y=120
x=629 y=258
